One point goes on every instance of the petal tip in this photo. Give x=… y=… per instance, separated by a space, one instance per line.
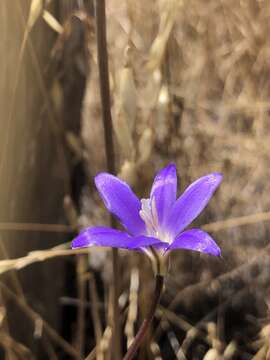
x=171 y=167
x=75 y=244
x=100 y=177
x=216 y=252
x=83 y=239
x=79 y=242
x=215 y=178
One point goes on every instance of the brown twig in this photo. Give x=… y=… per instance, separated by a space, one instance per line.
x=237 y=221
x=147 y=321
x=38 y=256
x=19 y=291
x=95 y=313
x=35 y=317
x=104 y=83
x=15 y=349
x=133 y=305
x=14 y=226
x=81 y=266
x=109 y=149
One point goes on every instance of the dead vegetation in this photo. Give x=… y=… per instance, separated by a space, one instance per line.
x=189 y=84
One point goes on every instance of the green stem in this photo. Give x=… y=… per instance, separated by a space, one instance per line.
x=147 y=321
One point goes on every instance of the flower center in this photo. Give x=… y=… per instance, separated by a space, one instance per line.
x=149 y=215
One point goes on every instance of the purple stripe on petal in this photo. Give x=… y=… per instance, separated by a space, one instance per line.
x=121 y=201
x=196 y=239
x=102 y=236
x=164 y=191
x=190 y=204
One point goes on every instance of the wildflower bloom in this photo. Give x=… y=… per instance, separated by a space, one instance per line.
x=154 y=224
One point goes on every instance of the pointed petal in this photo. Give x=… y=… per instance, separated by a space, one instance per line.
x=102 y=236
x=190 y=204
x=196 y=239
x=164 y=191
x=121 y=201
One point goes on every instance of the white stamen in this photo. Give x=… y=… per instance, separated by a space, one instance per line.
x=154 y=213
x=146 y=215
x=149 y=215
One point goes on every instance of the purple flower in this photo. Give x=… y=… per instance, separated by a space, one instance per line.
x=154 y=223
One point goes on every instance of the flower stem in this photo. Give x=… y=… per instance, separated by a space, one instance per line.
x=147 y=321
x=109 y=149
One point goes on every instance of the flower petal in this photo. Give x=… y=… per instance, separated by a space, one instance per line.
x=195 y=239
x=121 y=201
x=190 y=204
x=164 y=191
x=102 y=236
x=146 y=241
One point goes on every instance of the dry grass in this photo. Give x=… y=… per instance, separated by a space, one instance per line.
x=189 y=84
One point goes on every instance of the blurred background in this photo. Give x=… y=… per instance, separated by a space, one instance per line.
x=190 y=84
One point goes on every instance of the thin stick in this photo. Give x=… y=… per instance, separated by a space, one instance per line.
x=14 y=226
x=37 y=256
x=109 y=148
x=237 y=221
x=133 y=305
x=95 y=314
x=147 y=321
x=35 y=317
x=13 y=274
x=16 y=349
x=104 y=83
x=19 y=291
x=81 y=266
